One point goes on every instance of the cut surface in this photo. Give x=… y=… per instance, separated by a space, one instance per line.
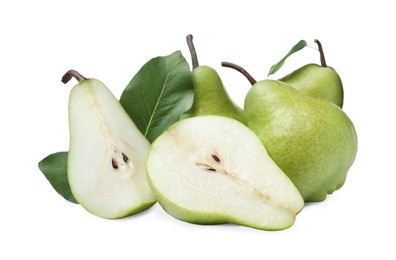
x=106 y=165
x=213 y=169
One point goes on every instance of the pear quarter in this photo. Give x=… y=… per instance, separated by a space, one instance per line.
x=106 y=164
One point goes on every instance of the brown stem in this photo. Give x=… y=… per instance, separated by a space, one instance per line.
x=241 y=70
x=72 y=74
x=322 y=56
x=194 y=57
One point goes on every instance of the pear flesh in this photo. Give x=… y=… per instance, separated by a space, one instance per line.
x=106 y=164
x=213 y=169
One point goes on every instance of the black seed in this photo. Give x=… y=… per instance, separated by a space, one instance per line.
x=205 y=167
x=125 y=158
x=114 y=164
x=215 y=158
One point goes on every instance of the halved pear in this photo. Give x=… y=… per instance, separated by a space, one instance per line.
x=213 y=169
x=106 y=164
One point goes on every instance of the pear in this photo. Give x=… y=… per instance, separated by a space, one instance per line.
x=318 y=81
x=210 y=95
x=106 y=161
x=313 y=141
x=213 y=169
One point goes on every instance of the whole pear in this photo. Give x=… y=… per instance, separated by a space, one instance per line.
x=313 y=141
x=210 y=95
x=318 y=81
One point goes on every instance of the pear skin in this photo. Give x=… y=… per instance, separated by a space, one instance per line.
x=318 y=82
x=312 y=141
x=211 y=97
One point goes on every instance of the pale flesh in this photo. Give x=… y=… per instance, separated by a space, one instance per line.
x=213 y=169
x=106 y=164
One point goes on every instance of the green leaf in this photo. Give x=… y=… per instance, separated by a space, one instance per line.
x=299 y=46
x=159 y=94
x=54 y=167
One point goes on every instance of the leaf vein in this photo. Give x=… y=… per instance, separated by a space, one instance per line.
x=158 y=101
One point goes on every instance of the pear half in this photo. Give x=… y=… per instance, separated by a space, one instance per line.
x=213 y=169
x=106 y=164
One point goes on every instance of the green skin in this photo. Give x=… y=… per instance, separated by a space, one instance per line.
x=312 y=141
x=201 y=218
x=211 y=98
x=317 y=81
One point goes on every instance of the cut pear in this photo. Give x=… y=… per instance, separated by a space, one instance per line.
x=106 y=164
x=213 y=169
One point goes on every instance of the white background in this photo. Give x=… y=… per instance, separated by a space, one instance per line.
x=111 y=40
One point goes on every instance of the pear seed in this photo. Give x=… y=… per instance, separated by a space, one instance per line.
x=114 y=164
x=125 y=158
x=215 y=158
x=205 y=167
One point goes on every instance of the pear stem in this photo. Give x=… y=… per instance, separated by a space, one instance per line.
x=72 y=74
x=241 y=70
x=322 y=56
x=194 y=57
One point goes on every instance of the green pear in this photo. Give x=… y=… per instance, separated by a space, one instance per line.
x=313 y=141
x=318 y=81
x=214 y=169
x=210 y=95
x=107 y=154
